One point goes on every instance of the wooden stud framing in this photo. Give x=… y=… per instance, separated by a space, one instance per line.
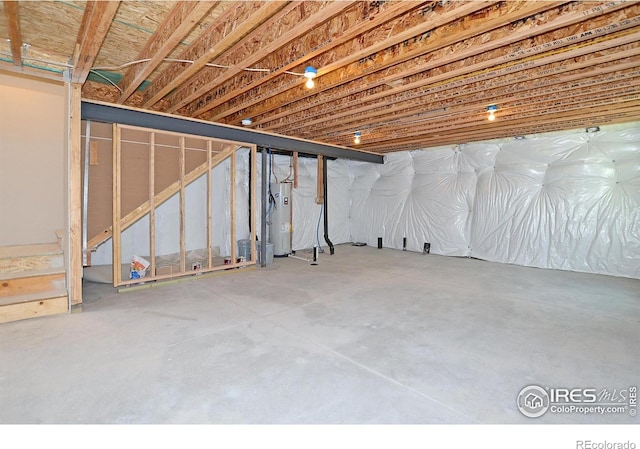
x=74 y=276
x=160 y=197
x=152 y=204
x=183 y=218
x=232 y=205
x=86 y=254
x=209 y=207
x=94 y=155
x=117 y=236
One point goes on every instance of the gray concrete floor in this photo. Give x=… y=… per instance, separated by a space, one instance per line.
x=367 y=336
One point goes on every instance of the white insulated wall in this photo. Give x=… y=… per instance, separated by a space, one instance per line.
x=425 y=196
x=567 y=200
x=308 y=223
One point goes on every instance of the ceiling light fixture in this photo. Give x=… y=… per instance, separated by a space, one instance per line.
x=246 y=121
x=356 y=137
x=310 y=73
x=492 y=111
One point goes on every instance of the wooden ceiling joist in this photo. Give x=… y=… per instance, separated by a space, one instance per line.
x=213 y=42
x=602 y=83
x=406 y=74
x=247 y=33
x=299 y=21
x=383 y=70
x=513 y=112
x=512 y=128
x=506 y=48
x=12 y=12
x=524 y=124
x=341 y=70
x=470 y=72
x=182 y=18
x=595 y=68
x=332 y=37
x=96 y=22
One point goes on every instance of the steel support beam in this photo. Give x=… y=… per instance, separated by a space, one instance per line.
x=102 y=112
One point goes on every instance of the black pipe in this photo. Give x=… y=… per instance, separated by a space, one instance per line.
x=326 y=206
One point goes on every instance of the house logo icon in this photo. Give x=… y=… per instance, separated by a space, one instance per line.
x=533 y=401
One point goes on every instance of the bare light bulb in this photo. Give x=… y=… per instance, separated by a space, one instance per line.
x=356 y=138
x=491 y=109
x=309 y=84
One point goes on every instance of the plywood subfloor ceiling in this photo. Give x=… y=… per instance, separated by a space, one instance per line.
x=404 y=74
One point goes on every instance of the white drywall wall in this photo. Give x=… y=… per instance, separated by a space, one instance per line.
x=33 y=148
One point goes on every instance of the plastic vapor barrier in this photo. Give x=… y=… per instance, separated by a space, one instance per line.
x=307 y=223
x=567 y=200
x=570 y=202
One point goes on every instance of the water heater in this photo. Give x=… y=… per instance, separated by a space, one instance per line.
x=280 y=218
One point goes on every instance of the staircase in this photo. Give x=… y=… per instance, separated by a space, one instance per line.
x=32 y=281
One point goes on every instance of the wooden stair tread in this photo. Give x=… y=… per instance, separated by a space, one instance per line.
x=40 y=249
x=31 y=273
x=52 y=305
x=40 y=296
